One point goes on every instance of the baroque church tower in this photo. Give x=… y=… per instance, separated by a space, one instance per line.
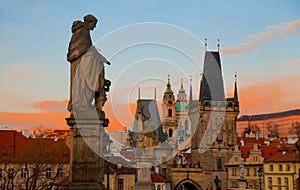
x=184 y=126
x=213 y=120
x=169 y=122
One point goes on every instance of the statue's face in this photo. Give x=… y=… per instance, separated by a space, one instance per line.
x=92 y=25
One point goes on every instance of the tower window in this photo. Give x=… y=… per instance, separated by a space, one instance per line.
x=219 y=164
x=170 y=132
x=170 y=112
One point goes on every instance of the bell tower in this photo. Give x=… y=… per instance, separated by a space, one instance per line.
x=169 y=122
x=184 y=129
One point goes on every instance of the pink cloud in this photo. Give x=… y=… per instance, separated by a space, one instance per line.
x=23 y=72
x=51 y=105
x=272 y=32
x=291 y=62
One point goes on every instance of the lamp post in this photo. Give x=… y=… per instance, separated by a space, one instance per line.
x=108 y=148
x=260 y=174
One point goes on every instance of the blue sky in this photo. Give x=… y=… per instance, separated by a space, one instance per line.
x=258 y=40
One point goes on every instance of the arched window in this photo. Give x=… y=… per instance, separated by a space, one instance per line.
x=170 y=112
x=170 y=132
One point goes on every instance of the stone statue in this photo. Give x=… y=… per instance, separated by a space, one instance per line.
x=242 y=169
x=218 y=183
x=88 y=85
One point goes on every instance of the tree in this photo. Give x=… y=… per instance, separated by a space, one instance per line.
x=296 y=129
x=273 y=130
x=40 y=164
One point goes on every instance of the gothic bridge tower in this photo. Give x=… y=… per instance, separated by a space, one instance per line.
x=213 y=120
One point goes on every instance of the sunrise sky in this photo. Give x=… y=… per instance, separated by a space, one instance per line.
x=145 y=41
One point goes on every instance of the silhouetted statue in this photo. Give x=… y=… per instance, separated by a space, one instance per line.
x=87 y=80
x=218 y=182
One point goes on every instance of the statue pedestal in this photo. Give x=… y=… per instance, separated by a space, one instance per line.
x=242 y=184
x=86 y=166
x=144 y=165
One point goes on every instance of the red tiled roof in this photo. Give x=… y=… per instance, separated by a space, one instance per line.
x=17 y=148
x=11 y=142
x=268 y=151
x=288 y=157
x=251 y=140
x=128 y=154
x=245 y=151
x=157 y=178
x=275 y=141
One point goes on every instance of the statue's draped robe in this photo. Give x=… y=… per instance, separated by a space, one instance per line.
x=89 y=78
x=79 y=44
x=80 y=41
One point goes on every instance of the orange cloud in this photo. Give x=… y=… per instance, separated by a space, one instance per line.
x=276 y=95
x=271 y=33
x=53 y=113
x=31 y=120
x=120 y=115
x=51 y=105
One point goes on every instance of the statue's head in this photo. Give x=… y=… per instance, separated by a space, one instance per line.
x=91 y=21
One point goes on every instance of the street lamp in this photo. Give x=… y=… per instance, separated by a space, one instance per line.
x=107 y=149
x=260 y=174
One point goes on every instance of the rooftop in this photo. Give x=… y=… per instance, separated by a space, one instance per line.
x=287 y=157
x=269 y=115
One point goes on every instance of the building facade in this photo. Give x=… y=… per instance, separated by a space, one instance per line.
x=280 y=124
x=281 y=171
x=32 y=163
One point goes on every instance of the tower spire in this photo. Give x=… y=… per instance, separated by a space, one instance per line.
x=154 y=93
x=218 y=45
x=139 y=93
x=191 y=91
x=205 y=44
x=235 y=88
x=168 y=78
x=181 y=85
